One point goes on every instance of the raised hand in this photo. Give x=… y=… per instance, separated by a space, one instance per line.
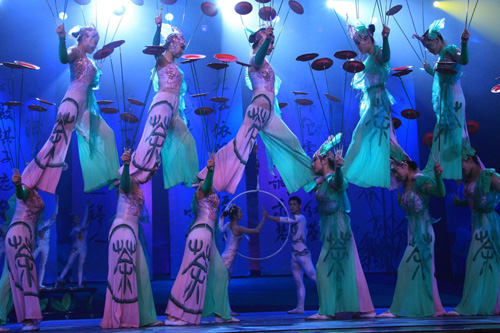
x=60 y=31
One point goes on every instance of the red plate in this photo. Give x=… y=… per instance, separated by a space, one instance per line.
x=12 y=65
x=307 y=57
x=102 y=53
x=200 y=95
x=345 y=55
x=217 y=65
x=396 y=123
x=129 y=118
x=296 y=7
x=332 y=98
x=39 y=108
x=300 y=93
x=154 y=50
x=353 y=66
x=224 y=57
x=322 y=64
x=472 y=127
x=27 y=65
x=303 y=101
x=243 y=8
x=114 y=45
x=394 y=10
x=13 y=103
x=168 y=2
x=410 y=114
x=402 y=73
x=109 y=110
x=496 y=89
x=138 y=2
x=209 y=9
x=135 y=102
x=244 y=64
x=219 y=99
x=193 y=56
x=427 y=139
x=104 y=102
x=203 y=111
x=446 y=71
x=187 y=61
x=83 y=2
x=282 y=105
x=44 y=101
x=267 y=13
x=402 y=68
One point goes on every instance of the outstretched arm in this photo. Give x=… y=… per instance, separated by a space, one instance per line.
x=256 y=230
x=85 y=220
x=125 y=178
x=464 y=55
x=21 y=191
x=438 y=189
x=386 y=50
x=261 y=53
x=157 y=37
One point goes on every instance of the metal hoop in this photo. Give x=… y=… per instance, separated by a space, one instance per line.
x=288 y=215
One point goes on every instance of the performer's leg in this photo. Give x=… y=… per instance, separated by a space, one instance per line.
x=81 y=264
x=72 y=257
x=44 y=256
x=298 y=277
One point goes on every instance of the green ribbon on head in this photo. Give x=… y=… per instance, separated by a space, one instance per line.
x=467 y=149
x=434 y=28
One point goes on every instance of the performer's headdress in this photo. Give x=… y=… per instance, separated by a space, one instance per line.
x=169 y=32
x=326 y=147
x=359 y=33
x=397 y=155
x=467 y=149
x=78 y=32
x=432 y=33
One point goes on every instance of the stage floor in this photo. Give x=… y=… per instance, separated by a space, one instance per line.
x=283 y=322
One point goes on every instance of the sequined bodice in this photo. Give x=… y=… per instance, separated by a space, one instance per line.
x=82 y=71
x=329 y=200
x=263 y=78
x=232 y=243
x=29 y=210
x=413 y=203
x=131 y=203
x=169 y=77
x=208 y=206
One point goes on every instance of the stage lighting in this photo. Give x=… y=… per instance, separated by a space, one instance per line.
x=374 y=20
x=436 y=4
x=330 y=4
x=63 y=16
x=119 y=9
x=169 y=17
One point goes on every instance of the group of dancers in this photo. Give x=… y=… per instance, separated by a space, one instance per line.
x=201 y=286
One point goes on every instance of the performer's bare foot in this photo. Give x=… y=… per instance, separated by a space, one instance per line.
x=29 y=325
x=386 y=314
x=452 y=313
x=220 y=320
x=233 y=313
x=317 y=316
x=154 y=324
x=171 y=321
x=371 y=314
x=296 y=310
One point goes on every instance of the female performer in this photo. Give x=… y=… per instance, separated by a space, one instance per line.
x=129 y=299
x=416 y=292
x=79 y=111
x=201 y=287
x=373 y=136
x=282 y=146
x=165 y=125
x=447 y=99
x=19 y=243
x=234 y=235
x=482 y=194
x=341 y=282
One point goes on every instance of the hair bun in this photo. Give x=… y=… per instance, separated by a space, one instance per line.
x=251 y=38
x=371 y=27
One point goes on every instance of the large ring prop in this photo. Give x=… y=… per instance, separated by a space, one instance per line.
x=289 y=226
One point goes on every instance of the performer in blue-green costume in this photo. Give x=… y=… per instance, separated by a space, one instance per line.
x=341 y=282
x=416 y=293
x=482 y=194
x=373 y=135
x=447 y=99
